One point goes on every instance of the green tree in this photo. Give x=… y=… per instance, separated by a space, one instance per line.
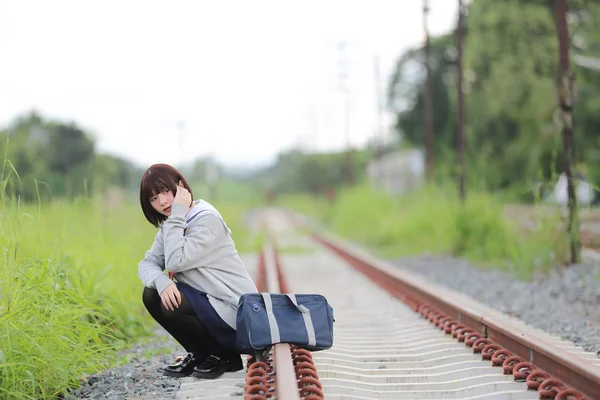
x=407 y=97
x=61 y=158
x=510 y=67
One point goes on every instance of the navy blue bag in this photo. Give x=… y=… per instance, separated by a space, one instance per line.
x=265 y=319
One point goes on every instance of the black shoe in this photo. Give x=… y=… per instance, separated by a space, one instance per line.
x=183 y=367
x=213 y=367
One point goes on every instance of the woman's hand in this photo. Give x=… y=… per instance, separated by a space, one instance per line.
x=170 y=297
x=183 y=196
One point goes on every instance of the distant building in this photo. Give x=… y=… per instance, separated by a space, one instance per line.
x=584 y=190
x=398 y=172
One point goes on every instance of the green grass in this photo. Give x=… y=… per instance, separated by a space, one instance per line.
x=69 y=292
x=70 y=298
x=432 y=220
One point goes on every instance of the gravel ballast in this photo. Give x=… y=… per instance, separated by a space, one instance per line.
x=564 y=303
x=140 y=378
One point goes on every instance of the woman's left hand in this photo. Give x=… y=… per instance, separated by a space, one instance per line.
x=183 y=196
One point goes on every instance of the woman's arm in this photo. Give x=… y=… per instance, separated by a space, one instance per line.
x=185 y=252
x=150 y=269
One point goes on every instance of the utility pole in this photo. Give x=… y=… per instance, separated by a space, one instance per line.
x=211 y=177
x=565 y=86
x=380 y=142
x=343 y=82
x=428 y=98
x=460 y=140
x=379 y=116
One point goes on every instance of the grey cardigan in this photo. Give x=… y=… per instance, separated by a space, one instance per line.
x=204 y=257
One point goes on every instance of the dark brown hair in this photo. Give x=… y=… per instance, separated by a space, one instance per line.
x=157 y=178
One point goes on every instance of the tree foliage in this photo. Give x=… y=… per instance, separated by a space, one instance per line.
x=316 y=173
x=510 y=68
x=58 y=159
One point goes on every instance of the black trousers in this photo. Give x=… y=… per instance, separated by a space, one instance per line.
x=185 y=326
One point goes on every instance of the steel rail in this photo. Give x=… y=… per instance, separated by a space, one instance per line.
x=291 y=369
x=459 y=315
x=275 y=373
x=286 y=386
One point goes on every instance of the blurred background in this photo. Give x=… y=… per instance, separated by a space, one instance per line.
x=226 y=90
x=292 y=97
x=320 y=106
x=410 y=127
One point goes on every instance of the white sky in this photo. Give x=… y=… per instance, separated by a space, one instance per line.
x=247 y=78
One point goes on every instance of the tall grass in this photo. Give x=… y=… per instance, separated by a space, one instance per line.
x=432 y=220
x=69 y=291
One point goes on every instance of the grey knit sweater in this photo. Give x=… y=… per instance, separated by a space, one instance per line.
x=204 y=257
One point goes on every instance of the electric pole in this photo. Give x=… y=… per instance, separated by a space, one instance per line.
x=211 y=177
x=379 y=116
x=343 y=82
x=428 y=98
x=565 y=86
x=460 y=145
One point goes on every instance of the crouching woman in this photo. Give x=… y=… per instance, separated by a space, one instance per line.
x=194 y=245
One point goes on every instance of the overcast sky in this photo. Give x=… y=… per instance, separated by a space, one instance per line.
x=240 y=80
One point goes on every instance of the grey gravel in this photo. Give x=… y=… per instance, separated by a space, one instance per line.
x=564 y=302
x=140 y=378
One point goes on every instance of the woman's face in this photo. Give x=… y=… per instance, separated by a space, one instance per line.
x=162 y=202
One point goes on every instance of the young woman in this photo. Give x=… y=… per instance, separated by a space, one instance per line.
x=193 y=244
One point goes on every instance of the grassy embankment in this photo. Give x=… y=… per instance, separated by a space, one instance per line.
x=69 y=292
x=432 y=221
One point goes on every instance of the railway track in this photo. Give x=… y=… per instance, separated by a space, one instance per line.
x=397 y=337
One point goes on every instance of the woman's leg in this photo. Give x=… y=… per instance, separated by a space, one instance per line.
x=153 y=304
x=183 y=324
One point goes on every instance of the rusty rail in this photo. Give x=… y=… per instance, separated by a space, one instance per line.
x=287 y=372
x=552 y=371
x=286 y=386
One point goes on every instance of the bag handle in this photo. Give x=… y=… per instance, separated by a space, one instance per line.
x=274 y=328
x=300 y=307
